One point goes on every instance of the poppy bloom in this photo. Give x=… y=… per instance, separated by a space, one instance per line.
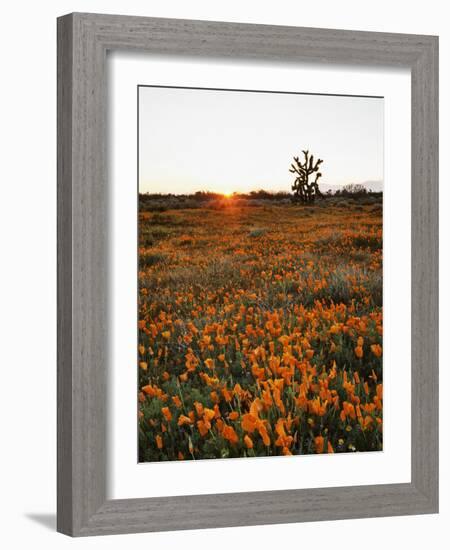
x=263 y=433
x=203 y=427
x=167 y=414
x=376 y=350
x=177 y=401
x=199 y=408
x=249 y=423
x=318 y=444
x=229 y=434
x=214 y=397
x=226 y=394
x=182 y=420
x=209 y=414
x=148 y=390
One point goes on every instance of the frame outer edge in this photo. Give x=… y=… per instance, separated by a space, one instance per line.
x=64 y=274
x=425 y=273
x=254 y=41
x=260 y=508
x=89 y=270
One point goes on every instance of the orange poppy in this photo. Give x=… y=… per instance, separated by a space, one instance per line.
x=377 y=350
x=182 y=420
x=177 y=401
x=248 y=423
x=318 y=444
x=167 y=414
x=229 y=434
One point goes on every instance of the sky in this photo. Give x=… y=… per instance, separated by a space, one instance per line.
x=238 y=141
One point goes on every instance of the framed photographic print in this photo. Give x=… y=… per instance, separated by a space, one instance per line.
x=247 y=274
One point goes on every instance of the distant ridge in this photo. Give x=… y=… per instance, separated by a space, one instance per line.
x=371 y=185
x=376 y=186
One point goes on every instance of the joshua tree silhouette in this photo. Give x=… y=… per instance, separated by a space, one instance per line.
x=304 y=189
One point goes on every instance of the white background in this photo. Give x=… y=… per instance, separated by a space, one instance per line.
x=130 y=480
x=28 y=269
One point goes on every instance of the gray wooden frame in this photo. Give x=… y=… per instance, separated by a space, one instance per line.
x=83 y=40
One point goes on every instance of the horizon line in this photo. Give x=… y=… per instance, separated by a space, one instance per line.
x=367 y=184
x=232 y=193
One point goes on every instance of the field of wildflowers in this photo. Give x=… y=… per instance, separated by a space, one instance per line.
x=260 y=330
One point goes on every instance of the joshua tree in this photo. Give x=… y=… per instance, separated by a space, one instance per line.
x=304 y=189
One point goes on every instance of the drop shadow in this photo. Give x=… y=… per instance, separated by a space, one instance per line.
x=46 y=520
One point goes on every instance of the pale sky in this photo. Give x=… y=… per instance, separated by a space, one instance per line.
x=231 y=141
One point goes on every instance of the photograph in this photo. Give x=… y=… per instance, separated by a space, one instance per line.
x=260 y=273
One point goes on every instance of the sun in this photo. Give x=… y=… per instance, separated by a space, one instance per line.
x=227 y=194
